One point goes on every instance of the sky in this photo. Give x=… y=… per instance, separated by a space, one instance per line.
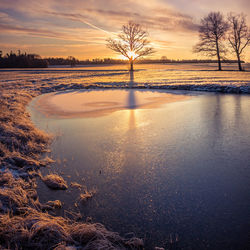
x=80 y=28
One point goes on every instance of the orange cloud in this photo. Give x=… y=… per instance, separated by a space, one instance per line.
x=80 y=28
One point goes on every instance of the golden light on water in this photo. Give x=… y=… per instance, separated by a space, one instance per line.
x=101 y=103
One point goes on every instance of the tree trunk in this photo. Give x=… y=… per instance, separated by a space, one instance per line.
x=218 y=55
x=239 y=62
x=131 y=65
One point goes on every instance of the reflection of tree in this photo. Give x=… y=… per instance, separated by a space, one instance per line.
x=131 y=104
x=238 y=115
x=218 y=115
x=222 y=116
x=212 y=119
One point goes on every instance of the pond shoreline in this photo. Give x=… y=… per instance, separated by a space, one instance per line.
x=21 y=147
x=24 y=221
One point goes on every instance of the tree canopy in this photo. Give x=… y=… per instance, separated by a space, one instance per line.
x=212 y=32
x=132 y=42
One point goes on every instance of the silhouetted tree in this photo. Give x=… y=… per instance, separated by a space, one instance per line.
x=72 y=61
x=212 y=32
x=239 y=35
x=20 y=60
x=132 y=43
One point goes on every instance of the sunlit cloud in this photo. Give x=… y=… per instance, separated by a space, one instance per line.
x=172 y=25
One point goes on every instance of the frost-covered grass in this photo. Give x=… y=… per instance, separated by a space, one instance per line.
x=86 y=195
x=24 y=221
x=25 y=225
x=181 y=76
x=76 y=185
x=20 y=142
x=55 y=181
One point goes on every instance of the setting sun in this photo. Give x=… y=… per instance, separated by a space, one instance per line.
x=124 y=124
x=132 y=55
x=80 y=28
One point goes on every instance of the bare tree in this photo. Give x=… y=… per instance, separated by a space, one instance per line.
x=212 y=32
x=132 y=43
x=239 y=35
x=72 y=61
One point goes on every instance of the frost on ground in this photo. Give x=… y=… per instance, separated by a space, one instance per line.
x=180 y=76
x=76 y=185
x=86 y=195
x=55 y=181
x=25 y=225
x=24 y=222
x=20 y=142
x=54 y=204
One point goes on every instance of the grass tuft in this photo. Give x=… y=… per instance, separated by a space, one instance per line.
x=55 y=181
x=25 y=222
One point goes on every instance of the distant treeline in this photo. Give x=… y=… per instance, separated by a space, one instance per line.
x=72 y=61
x=184 y=61
x=24 y=60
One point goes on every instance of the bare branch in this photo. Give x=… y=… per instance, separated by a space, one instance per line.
x=132 y=42
x=239 y=35
x=212 y=32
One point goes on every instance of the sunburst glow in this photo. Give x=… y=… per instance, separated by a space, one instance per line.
x=82 y=32
x=132 y=55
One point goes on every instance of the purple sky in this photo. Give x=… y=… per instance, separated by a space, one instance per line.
x=80 y=27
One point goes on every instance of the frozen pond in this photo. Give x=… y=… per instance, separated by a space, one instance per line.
x=173 y=167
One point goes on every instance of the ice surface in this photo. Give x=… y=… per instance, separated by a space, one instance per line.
x=91 y=103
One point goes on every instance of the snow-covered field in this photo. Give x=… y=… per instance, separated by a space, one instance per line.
x=24 y=221
x=180 y=76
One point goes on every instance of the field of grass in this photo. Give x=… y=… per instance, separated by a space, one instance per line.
x=24 y=221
